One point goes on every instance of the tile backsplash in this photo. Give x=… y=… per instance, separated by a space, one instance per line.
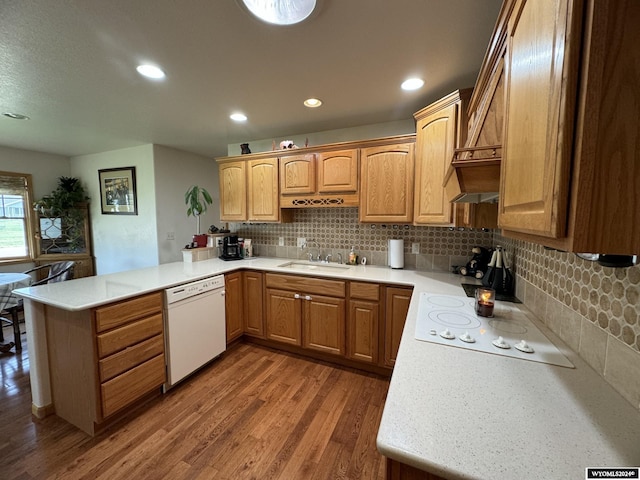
x=337 y=229
x=594 y=309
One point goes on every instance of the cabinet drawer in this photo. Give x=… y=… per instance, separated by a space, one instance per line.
x=125 y=389
x=120 y=313
x=130 y=357
x=365 y=291
x=128 y=335
x=319 y=286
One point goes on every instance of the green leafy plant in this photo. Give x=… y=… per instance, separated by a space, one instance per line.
x=197 y=199
x=65 y=197
x=61 y=208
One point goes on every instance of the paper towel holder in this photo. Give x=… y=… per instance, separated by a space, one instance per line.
x=396 y=253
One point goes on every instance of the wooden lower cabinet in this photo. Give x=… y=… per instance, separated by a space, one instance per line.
x=401 y=471
x=234 y=305
x=283 y=317
x=396 y=307
x=105 y=360
x=308 y=312
x=363 y=331
x=363 y=322
x=129 y=344
x=359 y=322
x=253 y=303
x=323 y=321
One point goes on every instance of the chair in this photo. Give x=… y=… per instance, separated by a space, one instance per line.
x=57 y=272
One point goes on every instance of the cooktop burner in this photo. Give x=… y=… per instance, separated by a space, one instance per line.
x=451 y=320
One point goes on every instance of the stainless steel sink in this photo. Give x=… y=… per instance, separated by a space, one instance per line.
x=315 y=266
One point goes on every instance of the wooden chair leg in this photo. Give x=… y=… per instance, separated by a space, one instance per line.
x=16 y=329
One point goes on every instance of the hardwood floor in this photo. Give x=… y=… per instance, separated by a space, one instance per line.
x=255 y=413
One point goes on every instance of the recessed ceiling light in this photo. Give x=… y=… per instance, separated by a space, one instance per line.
x=238 y=117
x=150 y=71
x=412 y=84
x=312 y=102
x=15 y=116
x=281 y=12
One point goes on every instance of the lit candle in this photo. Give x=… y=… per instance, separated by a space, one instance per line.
x=485 y=300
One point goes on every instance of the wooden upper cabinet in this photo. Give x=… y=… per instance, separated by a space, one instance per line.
x=338 y=171
x=543 y=42
x=386 y=183
x=440 y=128
x=262 y=183
x=571 y=166
x=297 y=174
x=233 y=191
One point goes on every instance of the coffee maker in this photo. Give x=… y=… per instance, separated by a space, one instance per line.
x=230 y=248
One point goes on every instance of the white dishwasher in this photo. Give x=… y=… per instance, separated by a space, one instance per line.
x=195 y=330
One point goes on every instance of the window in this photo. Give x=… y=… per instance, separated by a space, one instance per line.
x=15 y=217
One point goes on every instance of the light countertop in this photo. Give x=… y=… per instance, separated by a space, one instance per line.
x=456 y=413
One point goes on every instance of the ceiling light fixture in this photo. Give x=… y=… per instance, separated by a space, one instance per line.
x=412 y=84
x=150 y=71
x=15 y=116
x=281 y=12
x=238 y=117
x=312 y=102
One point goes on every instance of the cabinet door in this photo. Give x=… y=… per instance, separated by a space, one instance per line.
x=283 y=317
x=362 y=331
x=338 y=171
x=435 y=142
x=397 y=306
x=323 y=324
x=540 y=85
x=386 y=183
x=253 y=304
x=263 y=190
x=233 y=305
x=297 y=174
x=233 y=191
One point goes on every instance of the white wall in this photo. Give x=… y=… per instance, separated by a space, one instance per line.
x=175 y=172
x=45 y=169
x=364 y=132
x=122 y=242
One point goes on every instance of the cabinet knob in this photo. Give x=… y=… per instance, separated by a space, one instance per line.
x=297 y=295
x=307 y=297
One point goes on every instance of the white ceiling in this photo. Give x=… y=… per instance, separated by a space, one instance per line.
x=70 y=66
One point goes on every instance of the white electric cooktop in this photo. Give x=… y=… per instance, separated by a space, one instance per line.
x=451 y=320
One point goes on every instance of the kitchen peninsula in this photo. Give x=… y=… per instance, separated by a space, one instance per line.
x=452 y=412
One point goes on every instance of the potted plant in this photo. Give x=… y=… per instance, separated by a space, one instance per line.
x=61 y=208
x=67 y=195
x=197 y=199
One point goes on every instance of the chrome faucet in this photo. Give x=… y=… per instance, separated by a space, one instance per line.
x=339 y=258
x=327 y=259
x=310 y=255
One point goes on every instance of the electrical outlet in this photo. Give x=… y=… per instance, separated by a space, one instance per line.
x=281 y=241
x=171 y=235
x=301 y=241
x=415 y=247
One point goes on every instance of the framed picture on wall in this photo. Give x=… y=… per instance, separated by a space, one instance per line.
x=118 y=191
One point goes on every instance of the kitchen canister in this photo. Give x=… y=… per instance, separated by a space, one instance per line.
x=396 y=253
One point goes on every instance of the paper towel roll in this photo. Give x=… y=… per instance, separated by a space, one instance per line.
x=396 y=253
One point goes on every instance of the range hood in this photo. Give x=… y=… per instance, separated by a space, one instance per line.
x=474 y=175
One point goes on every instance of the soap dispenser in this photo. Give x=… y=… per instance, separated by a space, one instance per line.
x=352 y=256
